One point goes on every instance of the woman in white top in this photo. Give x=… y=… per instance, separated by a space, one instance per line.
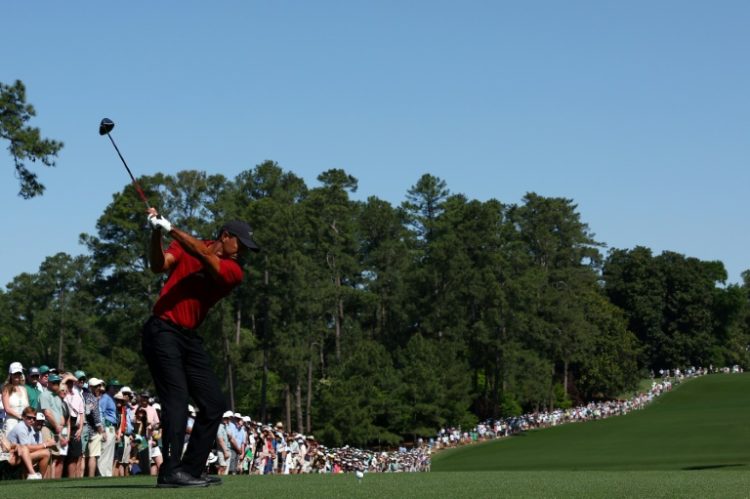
x=15 y=398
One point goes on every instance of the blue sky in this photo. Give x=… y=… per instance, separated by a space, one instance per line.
x=639 y=111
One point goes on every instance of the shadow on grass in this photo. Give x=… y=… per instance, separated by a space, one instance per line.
x=134 y=486
x=711 y=467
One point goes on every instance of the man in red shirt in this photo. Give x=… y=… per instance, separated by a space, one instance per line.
x=200 y=274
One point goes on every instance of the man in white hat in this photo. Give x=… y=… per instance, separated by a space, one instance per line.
x=94 y=424
x=223 y=444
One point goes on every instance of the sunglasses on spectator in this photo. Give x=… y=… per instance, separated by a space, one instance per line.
x=29 y=417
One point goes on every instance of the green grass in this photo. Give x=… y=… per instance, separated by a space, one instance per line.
x=693 y=442
x=705 y=423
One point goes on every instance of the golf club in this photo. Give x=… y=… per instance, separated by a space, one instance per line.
x=105 y=127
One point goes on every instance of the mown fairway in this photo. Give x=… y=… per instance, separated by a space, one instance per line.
x=703 y=424
x=694 y=442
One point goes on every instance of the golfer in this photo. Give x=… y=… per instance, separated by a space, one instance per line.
x=200 y=274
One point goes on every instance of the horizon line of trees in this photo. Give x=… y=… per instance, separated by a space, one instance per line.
x=367 y=323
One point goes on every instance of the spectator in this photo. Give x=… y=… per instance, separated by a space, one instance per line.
x=155 y=455
x=44 y=372
x=142 y=439
x=93 y=426
x=57 y=424
x=33 y=387
x=80 y=388
x=235 y=444
x=223 y=444
x=14 y=395
x=108 y=411
x=144 y=401
x=122 y=438
x=74 y=401
x=25 y=445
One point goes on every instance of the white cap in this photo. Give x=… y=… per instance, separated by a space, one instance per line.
x=227 y=414
x=156 y=406
x=126 y=389
x=238 y=415
x=40 y=416
x=246 y=419
x=95 y=382
x=15 y=367
x=191 y=409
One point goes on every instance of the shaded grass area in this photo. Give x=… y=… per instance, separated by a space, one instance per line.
x=704 y=424
x=723 y=483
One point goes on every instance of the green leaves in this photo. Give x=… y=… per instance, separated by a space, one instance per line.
x=25 y=143
x=366 y=323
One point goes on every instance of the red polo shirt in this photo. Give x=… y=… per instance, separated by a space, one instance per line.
x=190 y=291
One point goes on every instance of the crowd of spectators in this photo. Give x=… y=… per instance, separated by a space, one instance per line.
x=505 y=427
x=62 y=424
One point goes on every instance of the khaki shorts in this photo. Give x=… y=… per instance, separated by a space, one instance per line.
x=221 y=463
x=94 y=448
x=54 y=451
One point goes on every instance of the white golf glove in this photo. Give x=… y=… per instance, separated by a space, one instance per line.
x=158 y=222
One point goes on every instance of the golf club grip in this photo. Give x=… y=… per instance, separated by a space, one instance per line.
x=135 y=182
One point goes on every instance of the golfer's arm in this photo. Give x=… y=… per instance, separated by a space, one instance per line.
x=196 y=247
x=158 y=260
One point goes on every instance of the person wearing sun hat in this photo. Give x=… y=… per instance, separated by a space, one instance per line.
x=14 y=396
x=94 y=425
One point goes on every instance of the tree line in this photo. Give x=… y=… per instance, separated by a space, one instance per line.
x=367 y=323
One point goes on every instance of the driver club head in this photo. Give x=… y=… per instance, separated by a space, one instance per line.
x=106 y=126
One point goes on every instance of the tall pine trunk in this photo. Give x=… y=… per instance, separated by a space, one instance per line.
x=298 y=401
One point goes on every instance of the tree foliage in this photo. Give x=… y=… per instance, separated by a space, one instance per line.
x=25 y=143
x=367 y=323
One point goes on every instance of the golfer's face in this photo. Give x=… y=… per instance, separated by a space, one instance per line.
x=231 y=246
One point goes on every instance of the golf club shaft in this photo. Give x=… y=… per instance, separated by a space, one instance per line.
x=135 y=183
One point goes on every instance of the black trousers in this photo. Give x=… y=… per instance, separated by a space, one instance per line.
x=181 y=369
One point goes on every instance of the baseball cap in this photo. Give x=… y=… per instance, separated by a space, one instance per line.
x=54 y=378
x=114 y=382
x=238 y=415
x=43 y=369
x=95 y=382
x=246 y=419
x=79 y=374
x=33 y=371
x=242 y=231
x=15 y=367
x=156 y=406
x=126 y=389
x=227 y=414
x=40 y=416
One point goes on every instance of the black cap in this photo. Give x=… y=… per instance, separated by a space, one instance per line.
x=243 y=232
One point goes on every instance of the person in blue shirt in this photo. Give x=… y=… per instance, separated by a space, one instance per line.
x=108 y=411
x=26 y=445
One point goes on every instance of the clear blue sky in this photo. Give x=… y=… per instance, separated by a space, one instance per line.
x=639 y=111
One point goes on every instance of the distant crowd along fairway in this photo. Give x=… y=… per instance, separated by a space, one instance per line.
x=702 y=424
